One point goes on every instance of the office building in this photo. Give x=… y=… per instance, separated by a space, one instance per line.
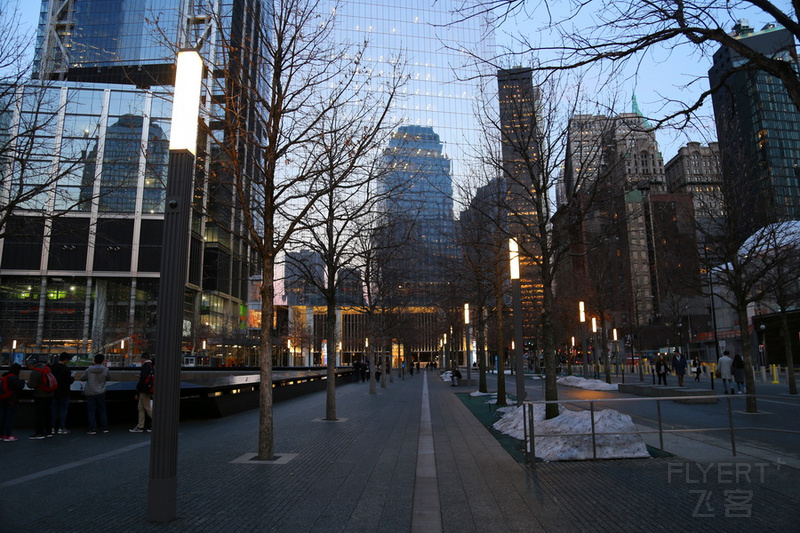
x=759 y=142
x=80 y=269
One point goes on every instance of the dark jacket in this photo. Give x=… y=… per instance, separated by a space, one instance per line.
x=15 y=384
x=34 y=380
x=64 y=378
x=144 y=373
x=679 y=364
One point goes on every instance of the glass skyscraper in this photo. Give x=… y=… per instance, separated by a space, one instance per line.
x=444 y=83
x=759 y=141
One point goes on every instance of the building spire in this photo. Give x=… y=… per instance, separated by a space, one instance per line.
x=635 y=109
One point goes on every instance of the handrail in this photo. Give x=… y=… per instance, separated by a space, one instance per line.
x=530 y=434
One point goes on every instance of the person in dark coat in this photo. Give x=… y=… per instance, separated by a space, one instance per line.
x=60 y=403
x=661 y=369
x=737 y=368
x=8 y=405
x=679 y=365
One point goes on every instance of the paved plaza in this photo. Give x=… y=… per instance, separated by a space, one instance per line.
x=411 y=458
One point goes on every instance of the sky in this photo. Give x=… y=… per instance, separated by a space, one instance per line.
x=659 y=76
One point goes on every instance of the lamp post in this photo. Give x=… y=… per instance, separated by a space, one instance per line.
x=468 y=353
x=516 y=298
x=584 y=341
x=595 y=359
x=163 y=485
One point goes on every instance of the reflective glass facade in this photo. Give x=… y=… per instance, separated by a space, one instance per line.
x=443 y=88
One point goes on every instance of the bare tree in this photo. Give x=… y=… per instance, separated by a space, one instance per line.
x=609 y=34
x=527 y=146
x=270 y=116
x=349 y=140
x=782 y=249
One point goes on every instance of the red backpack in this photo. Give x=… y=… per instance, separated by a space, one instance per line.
x=49 y=383
x=5 y=390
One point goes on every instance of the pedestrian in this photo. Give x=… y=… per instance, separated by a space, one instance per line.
x=96 y=378
x=738 y=373
x=364 y=370
x=144 y=394
x=679 y=365
x=696 y=368
x=60 y=404
x=12 y=385
x=724 y=368
x=456 y=377
x=356 y=370
x=43 y=386
x=661 y=369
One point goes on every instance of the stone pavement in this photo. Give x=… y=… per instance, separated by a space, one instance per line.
x=385 y=465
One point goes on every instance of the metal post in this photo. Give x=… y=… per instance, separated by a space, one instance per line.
x=516 y=289
x=730 y=426
x=660 y=427
x=594 y=442
x=163 y=486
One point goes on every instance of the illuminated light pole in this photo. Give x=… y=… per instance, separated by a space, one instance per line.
x=163 y=485
x=569 y=359
x=516 y=298
x=616 y=354
x=469 y=345
x=595 y=359
x=582 y=318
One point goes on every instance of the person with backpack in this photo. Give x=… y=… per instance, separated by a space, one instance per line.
x=144 y=394
x=96 y=377
x=10 y=386
x=43 y=383
x=65 y=380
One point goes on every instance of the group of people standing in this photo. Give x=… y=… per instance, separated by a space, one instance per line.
x=51 y=385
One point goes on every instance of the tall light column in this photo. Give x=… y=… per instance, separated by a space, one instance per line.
x=163 y=486
x=584 y=340
x=468 y=352
x=516 y=297
x=595 y=358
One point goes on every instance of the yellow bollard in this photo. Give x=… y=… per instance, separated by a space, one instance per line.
x=775 y=374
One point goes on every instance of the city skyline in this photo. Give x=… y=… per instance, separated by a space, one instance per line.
x=660 y=77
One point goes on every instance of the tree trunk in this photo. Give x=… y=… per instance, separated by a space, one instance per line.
x=787 y=350
x=266 y=437
x=330 y=398
x=749 y=378
x=501 y=360
x=550 y=355
x=481 y=352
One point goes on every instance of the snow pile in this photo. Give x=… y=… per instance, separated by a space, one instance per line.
x=492 y=397
x=583 y=383
x=557 y=448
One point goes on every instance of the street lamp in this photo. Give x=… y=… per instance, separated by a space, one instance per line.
x=516 y=298
x=582 y=318
x=595 y=359
x=163 y=485
x=469 y=344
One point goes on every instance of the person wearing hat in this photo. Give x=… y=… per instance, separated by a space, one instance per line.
x=8 y=405
x=42 y=400
x=144 y=394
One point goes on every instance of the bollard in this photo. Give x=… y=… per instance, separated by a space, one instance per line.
x=763 y=374
x=775 y=379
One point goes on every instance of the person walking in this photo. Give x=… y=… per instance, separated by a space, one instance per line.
x=737 y=367
x=43 y=388
x=661 y=369
x=679 y=365
x=60 y=403
x=724 y=367
x=12 y=385
x=696 y=368
x=144 y=394
x=96 y=378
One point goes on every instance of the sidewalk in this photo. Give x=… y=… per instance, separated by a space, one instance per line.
x=361 y=472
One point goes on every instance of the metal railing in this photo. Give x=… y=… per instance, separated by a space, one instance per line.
x=530 y=435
